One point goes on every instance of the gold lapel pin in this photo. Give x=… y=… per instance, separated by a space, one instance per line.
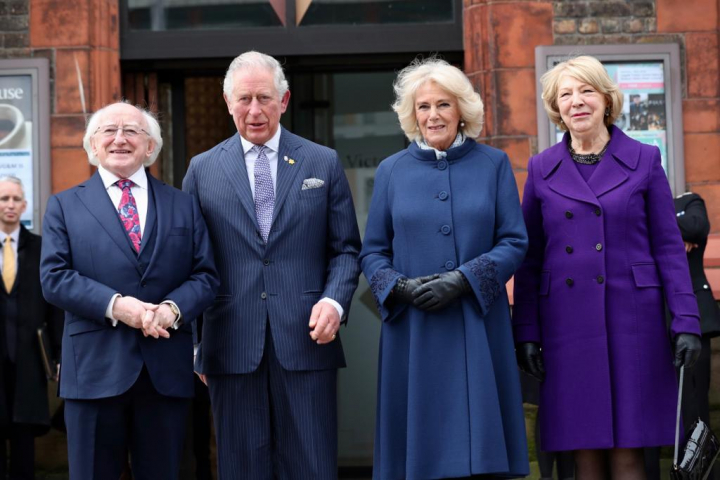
x=289 y=160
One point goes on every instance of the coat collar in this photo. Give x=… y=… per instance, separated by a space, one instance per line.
x=452 y=153
x=557 y=167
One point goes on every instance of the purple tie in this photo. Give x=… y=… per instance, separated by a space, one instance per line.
x=264 y=192
x=129 y=213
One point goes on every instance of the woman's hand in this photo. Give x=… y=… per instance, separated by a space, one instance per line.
x=435 y=294
x=687 y=350
x=530 y=359
x=403 y=291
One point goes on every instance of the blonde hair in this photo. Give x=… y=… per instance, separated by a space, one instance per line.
x=447 y=77
x=589 y=70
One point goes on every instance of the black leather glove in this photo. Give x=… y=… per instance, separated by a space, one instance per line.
x=405 y=286
x=530 y=359
x=687 y=350
x=435 y=294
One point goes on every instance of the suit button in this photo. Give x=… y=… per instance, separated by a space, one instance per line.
x=597 y=212
x=442 y=165
x=598 y=247
x=266 y=262
x=449 y=265
x=445 y=229
x=569 y=249
x=600 y=279
x=568 y=214
x=570 y=282
x=443 y=195
x=263 y=295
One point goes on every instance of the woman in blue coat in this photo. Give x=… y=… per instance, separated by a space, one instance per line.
x=444 y=234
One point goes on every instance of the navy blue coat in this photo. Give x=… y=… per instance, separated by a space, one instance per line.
x=449 y=402
x=87 y=258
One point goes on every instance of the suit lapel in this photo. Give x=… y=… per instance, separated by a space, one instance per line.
x=95 y=198
x=286 y=171
x=152 y=215
x=609 y=174
x=160 y=195
x=233 y=163
x=22 y=253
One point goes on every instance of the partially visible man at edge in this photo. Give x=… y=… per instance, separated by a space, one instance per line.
x=282 y=222
x=129 y=260
x=24 y=410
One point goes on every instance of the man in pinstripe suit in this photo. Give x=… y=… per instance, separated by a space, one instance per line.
x=282 y=222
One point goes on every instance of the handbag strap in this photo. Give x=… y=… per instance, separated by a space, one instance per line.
x=677 y=417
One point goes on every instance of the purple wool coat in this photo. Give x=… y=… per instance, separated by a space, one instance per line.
x=602 y=255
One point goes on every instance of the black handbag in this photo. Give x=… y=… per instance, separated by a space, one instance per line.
x=700 y=451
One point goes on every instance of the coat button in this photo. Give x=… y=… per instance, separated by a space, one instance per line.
x=263 y=295
x=445 y=229
x=450 y=265
x=569 y=249
x=600 y=279
x=442 y=165
x=568 y=214
x=443 y=195
x=570 y=282
x=597 y=212
x=266 y=262
x=598 y=247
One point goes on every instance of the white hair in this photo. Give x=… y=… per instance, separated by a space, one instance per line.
x=250 y=60
x=153 y=129
x=15 y=180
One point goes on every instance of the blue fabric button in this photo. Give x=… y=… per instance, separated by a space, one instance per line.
x=445 y=229
x=450 y=265
x=443 y=195
x=442 y=165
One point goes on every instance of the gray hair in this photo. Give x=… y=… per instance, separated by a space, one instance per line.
x=445 y=76
x=253 y=59
x=153 y=129
x=15 y=180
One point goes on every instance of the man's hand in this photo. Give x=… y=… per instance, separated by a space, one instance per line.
x=131 y=311
x=324 y=323
x=156 y=323
x=202 y=377
x=689 y=246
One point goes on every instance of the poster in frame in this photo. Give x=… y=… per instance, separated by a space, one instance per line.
x=649 y=77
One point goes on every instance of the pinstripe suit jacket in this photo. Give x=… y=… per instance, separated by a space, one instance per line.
x=312 y=252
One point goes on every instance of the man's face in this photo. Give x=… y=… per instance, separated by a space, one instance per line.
x=255 y=104
x=12 y=204
x=122 y=143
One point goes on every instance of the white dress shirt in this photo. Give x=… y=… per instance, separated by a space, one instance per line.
x=271 y=152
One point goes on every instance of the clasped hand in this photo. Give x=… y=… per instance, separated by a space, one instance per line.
x=432 y=292
x=153 y=320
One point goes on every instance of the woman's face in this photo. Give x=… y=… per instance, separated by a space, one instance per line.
x=437 y=114
x=582 y=107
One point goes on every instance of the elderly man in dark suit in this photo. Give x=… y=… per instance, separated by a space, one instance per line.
x=129 y=259
x=283 y=227
x=24 y=412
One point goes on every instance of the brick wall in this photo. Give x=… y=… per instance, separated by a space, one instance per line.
x=14 y=28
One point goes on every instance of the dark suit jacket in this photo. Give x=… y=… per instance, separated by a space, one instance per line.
x=87 y=258
x=312 y=252
x=28 y=310
x=694 y=226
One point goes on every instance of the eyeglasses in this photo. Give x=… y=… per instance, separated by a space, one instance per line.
x=110 y=131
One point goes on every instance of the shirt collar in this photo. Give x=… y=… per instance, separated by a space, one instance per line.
x=139 y=178
x=15 y=235
x=273 y=144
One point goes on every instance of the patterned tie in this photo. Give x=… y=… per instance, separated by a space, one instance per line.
x=129 y=213
x=264 y=192
x=9 y=269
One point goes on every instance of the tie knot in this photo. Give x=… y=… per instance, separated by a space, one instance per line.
x=259 y=149
x=8 y=239
x=125 y=183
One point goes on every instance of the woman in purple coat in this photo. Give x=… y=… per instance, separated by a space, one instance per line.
x=604 y=250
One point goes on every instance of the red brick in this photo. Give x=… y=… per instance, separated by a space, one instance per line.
x=711 y=194
x=59 y=23
x=564 y=26
x=520 y=179
x=517 y=28
x=105 y=71
x=702 y=162
x=67 y=130
x=518 y=149
x=105 y=27
x=477 y=43
x=701 y=115
x=702 y=64
x=67 y=90
x=686 y=16
x=69 y=167
x=516 y=92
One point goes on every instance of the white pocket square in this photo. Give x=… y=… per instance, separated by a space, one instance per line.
x=309 y=183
